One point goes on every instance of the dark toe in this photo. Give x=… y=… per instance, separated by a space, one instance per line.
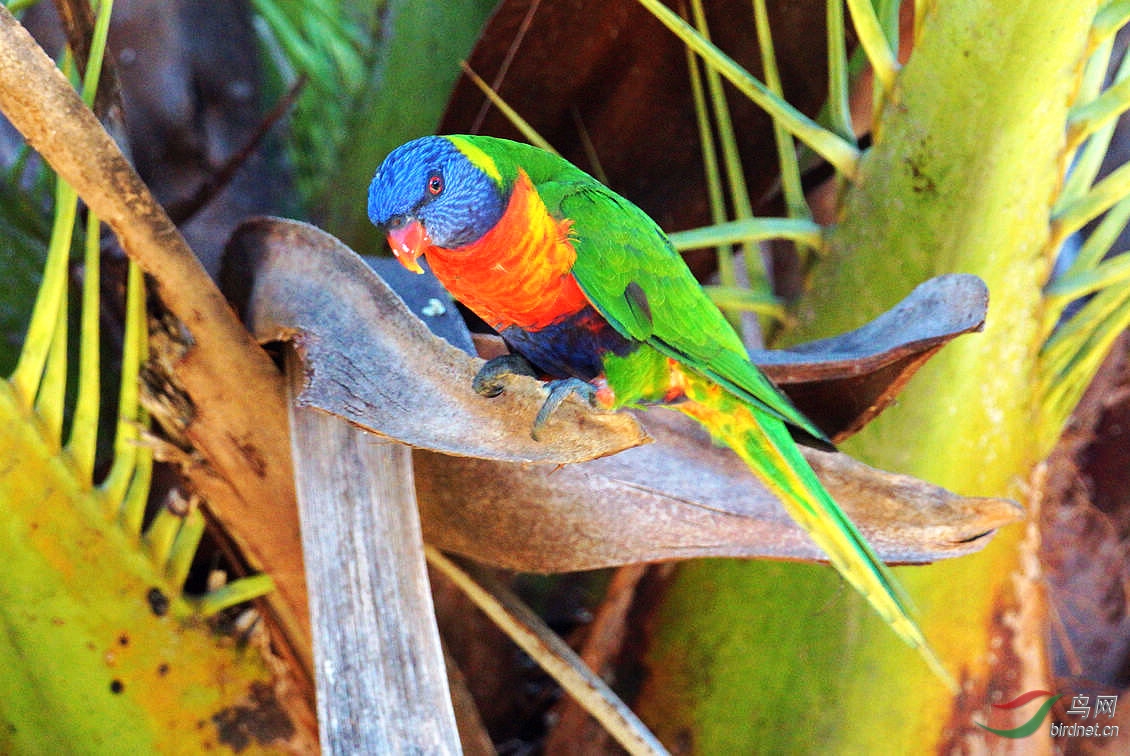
x=491 y=379
x=559 y=391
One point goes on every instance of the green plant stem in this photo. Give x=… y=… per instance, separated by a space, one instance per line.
x=798 y=230
x=161 y=534
x=874 y=42
x=127 y=450
x=839 y=105
x=50 y=401
x=1087 y=119
x=739 y=193
x=184 y=547
x=15 y=6
x=83 y=440
x=136 y=495
x=715 y=196
x=887 y=14
x=786 y=151
x=237 y=592
x=1063 y=290
x=33 y=357
x=1074 y=353
x=740 y=299
x=98 y=39
x=529 y=132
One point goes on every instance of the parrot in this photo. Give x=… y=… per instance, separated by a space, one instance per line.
x=588 y=292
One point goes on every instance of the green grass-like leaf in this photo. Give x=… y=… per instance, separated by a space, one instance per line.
x=1075 y=347
x=740 y=299
x=1075 y=352
x=1102 y=196
x=1100 y=241
x=835 y=149
x=529 y=132
x=1110 y=18
x=1088 y=160
x=1087 y=119
x=798 y=230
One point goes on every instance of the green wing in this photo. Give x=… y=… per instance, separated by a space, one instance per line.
x=628 y=269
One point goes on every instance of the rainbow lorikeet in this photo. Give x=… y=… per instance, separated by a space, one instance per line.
x=587 y=289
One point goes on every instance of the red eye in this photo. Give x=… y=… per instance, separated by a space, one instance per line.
x=435 y=185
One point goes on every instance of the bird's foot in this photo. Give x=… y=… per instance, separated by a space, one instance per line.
x=491 y=378
x=559 y=391
x=490 y=381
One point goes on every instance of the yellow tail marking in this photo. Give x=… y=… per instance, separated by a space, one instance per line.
x=782 y=470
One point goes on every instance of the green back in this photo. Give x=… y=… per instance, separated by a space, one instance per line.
x=628 y=269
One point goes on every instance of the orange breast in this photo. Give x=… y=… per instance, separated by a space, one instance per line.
x=520 y=272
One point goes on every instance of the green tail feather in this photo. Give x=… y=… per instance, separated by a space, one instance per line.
x=765 y=445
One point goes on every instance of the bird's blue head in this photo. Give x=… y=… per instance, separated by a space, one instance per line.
x=435 y=191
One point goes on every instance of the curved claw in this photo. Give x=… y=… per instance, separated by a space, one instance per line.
x=491 y=378
x=559 y=391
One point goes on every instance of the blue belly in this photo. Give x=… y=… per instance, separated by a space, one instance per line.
x=572 y=348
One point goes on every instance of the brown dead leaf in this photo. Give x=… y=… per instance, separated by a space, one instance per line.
x=845 y=381
x=679 y=498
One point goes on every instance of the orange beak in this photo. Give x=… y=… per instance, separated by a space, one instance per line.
x=408 y=242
